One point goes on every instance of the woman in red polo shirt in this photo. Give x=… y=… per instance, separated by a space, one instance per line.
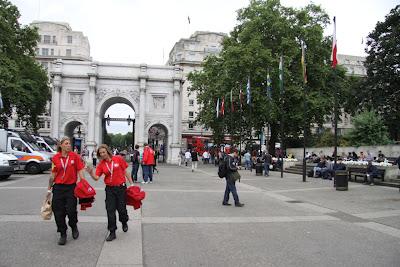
x=113 y=168
x=67 y=166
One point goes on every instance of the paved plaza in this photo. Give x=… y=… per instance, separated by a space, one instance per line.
x=284 y=222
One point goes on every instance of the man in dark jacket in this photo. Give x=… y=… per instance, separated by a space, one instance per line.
x=230 y=181
x=267 y=161
x=372 y=172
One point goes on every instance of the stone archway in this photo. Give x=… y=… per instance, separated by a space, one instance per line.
x=77 y=133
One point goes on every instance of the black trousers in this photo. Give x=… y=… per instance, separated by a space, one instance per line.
x=115 y=200
x=64 y=203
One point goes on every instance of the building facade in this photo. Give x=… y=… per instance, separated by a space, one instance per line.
x=57 y=41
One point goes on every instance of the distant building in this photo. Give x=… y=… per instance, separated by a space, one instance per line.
x=190 y=53
x=57 y=41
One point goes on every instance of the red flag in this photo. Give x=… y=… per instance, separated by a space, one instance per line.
x=334 y=45
x=223 y=107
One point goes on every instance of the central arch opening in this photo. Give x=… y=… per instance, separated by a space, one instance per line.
x=118 y=124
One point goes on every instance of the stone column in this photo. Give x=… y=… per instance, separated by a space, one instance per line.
x=90 y=141
x=55 y=109
x=176 y=132
x=142 y=102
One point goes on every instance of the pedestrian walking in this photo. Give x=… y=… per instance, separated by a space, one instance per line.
x=267 y=162
x=188 y=157
x=114 y=170
x=148 y=162
x=67 y=166
x=195 y=158
x=135 y=163
x=155 y=161
x=231 y=176
x=94 y=157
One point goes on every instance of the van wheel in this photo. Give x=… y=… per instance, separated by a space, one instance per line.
x=3 y=177
x=33 y=168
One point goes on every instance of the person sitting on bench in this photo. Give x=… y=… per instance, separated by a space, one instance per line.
x=320 y=168
x=372 y=172
x=339 y=166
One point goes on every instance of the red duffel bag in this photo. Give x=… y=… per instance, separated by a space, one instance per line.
x=134 y=196
x=85 y=192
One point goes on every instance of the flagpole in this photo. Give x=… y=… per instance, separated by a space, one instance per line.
x=282 y=104
x=305 y=134
x=334 y=63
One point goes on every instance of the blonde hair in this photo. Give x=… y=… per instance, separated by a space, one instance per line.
x=65 y=138
x=107 y=148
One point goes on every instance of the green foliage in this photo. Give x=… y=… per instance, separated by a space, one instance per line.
x=381 y=89
x=23 y=83
x=265 y=31
x=118 y=140
x=369 y=130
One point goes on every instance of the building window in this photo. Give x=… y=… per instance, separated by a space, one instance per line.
x=69 y=39
x=68 y=52
x=49 y=124
x=18 y=124
x=54 y=40
x=45 y=51
x=41 y=124
x=52 y=52
x=191 y=102
x=37 y=51
x=46 y=39
x=190 y=125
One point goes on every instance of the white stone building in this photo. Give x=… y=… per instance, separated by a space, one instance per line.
x=57 y=41
x=189 y=53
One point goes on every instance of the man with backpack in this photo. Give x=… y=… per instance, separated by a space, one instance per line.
x=228 y=169
x=135 y=163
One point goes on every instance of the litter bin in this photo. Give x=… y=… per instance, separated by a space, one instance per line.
x=259 y=169
x=341 y=181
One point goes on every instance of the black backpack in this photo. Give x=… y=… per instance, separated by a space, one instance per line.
x=222 y=168
x=135 y=156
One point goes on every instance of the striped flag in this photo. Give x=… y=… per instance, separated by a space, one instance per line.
x=248 y=91
x=281 y=73
x=1 y=102
x=232 y=106
x=303 y=62
x=223 y=106
x=334 y=45
x=217 y=108
x=269 y=86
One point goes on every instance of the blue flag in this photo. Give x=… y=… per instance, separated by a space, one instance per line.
x=248 y=91
x=1 y=102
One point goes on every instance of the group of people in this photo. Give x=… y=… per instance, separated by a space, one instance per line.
x=68 y=167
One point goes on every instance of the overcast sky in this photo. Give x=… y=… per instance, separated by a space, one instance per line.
x=144 y=31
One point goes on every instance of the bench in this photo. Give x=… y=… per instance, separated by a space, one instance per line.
x=362 y=172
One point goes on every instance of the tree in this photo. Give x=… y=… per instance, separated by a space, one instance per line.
x=23 y=82
x=368 y=130
x=381 y=89
x=265 y=31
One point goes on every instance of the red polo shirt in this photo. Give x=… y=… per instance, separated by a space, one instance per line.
x=66 y=168
x=113 y=170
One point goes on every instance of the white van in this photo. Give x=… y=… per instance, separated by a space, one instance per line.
x=8 y=164
x=29 y=159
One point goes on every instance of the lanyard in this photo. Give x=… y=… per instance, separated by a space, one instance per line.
x=110 y=170
x=64 y=165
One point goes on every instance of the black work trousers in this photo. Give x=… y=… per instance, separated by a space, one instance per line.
x=115 y=200
x=64 y=203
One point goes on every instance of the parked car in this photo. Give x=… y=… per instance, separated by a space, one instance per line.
x=8 y=164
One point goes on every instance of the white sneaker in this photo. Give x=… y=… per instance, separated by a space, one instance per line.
x=146 y=182
x=151 y=182
x=143 y=182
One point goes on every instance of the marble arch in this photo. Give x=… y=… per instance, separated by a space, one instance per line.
x=83 y=90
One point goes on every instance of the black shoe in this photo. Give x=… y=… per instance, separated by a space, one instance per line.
x=125 y=227
x=63 y=240
x=226 y=204
x=239 y=205
x=75 y=232
x=111 y=237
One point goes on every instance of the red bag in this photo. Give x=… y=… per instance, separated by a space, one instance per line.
x=134 y=196
x=85 y=192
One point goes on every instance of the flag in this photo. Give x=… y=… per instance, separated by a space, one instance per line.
x=1 y=102
x=232 y=106
x=248 y=91
x=303 y=62
x=281 y=73
x=334 y=45
x=241 y=96
x=223 y=107
x=217 y=108
x=269 y=86
x=189 y=19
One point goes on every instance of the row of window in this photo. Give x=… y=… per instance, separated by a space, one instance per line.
x=50 y=52
x=41 y=124
x=48 y=39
